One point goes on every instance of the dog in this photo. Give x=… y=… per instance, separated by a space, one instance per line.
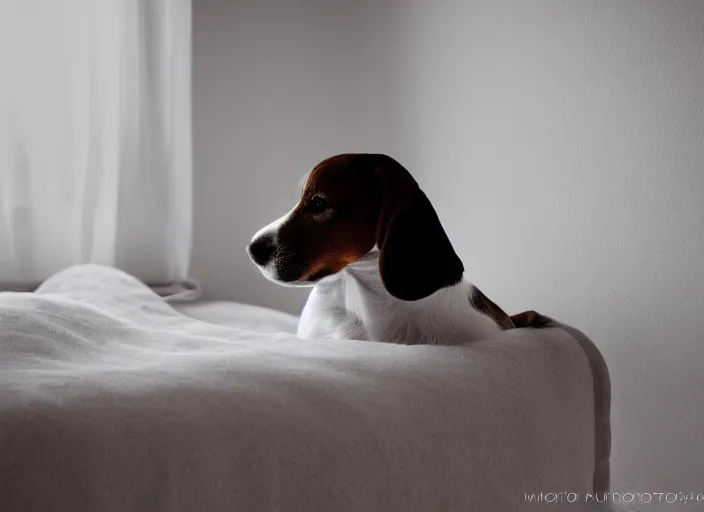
x=369 y=242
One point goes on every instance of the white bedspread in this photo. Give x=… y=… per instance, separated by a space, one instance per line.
x=110 y=400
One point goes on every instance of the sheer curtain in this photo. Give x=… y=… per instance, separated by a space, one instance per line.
x=95 y=140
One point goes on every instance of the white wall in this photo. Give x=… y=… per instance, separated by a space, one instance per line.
x=277 y=86
x=561 y=142
x=563 y=145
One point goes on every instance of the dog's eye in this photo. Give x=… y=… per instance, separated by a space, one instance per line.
x=318 y=204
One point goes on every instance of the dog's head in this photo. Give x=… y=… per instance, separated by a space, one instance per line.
x=351 y=203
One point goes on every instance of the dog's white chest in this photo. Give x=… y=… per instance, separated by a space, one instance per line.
x=326 y=315
x=356 y=306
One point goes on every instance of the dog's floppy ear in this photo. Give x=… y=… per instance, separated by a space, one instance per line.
x=417 y=258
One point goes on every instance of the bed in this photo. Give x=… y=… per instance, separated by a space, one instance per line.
x=111 y=399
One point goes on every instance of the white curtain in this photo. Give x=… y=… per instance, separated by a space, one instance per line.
x=95 y=137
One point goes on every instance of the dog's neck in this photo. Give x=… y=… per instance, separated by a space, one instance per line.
x=354 y=304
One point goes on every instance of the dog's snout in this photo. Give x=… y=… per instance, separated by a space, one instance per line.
x=262 y=249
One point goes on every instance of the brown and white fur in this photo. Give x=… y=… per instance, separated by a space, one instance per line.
x=367 y=239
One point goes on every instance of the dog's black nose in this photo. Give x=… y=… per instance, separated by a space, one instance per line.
x=262 y=249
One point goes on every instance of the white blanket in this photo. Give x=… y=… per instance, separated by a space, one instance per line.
x=110 y=400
